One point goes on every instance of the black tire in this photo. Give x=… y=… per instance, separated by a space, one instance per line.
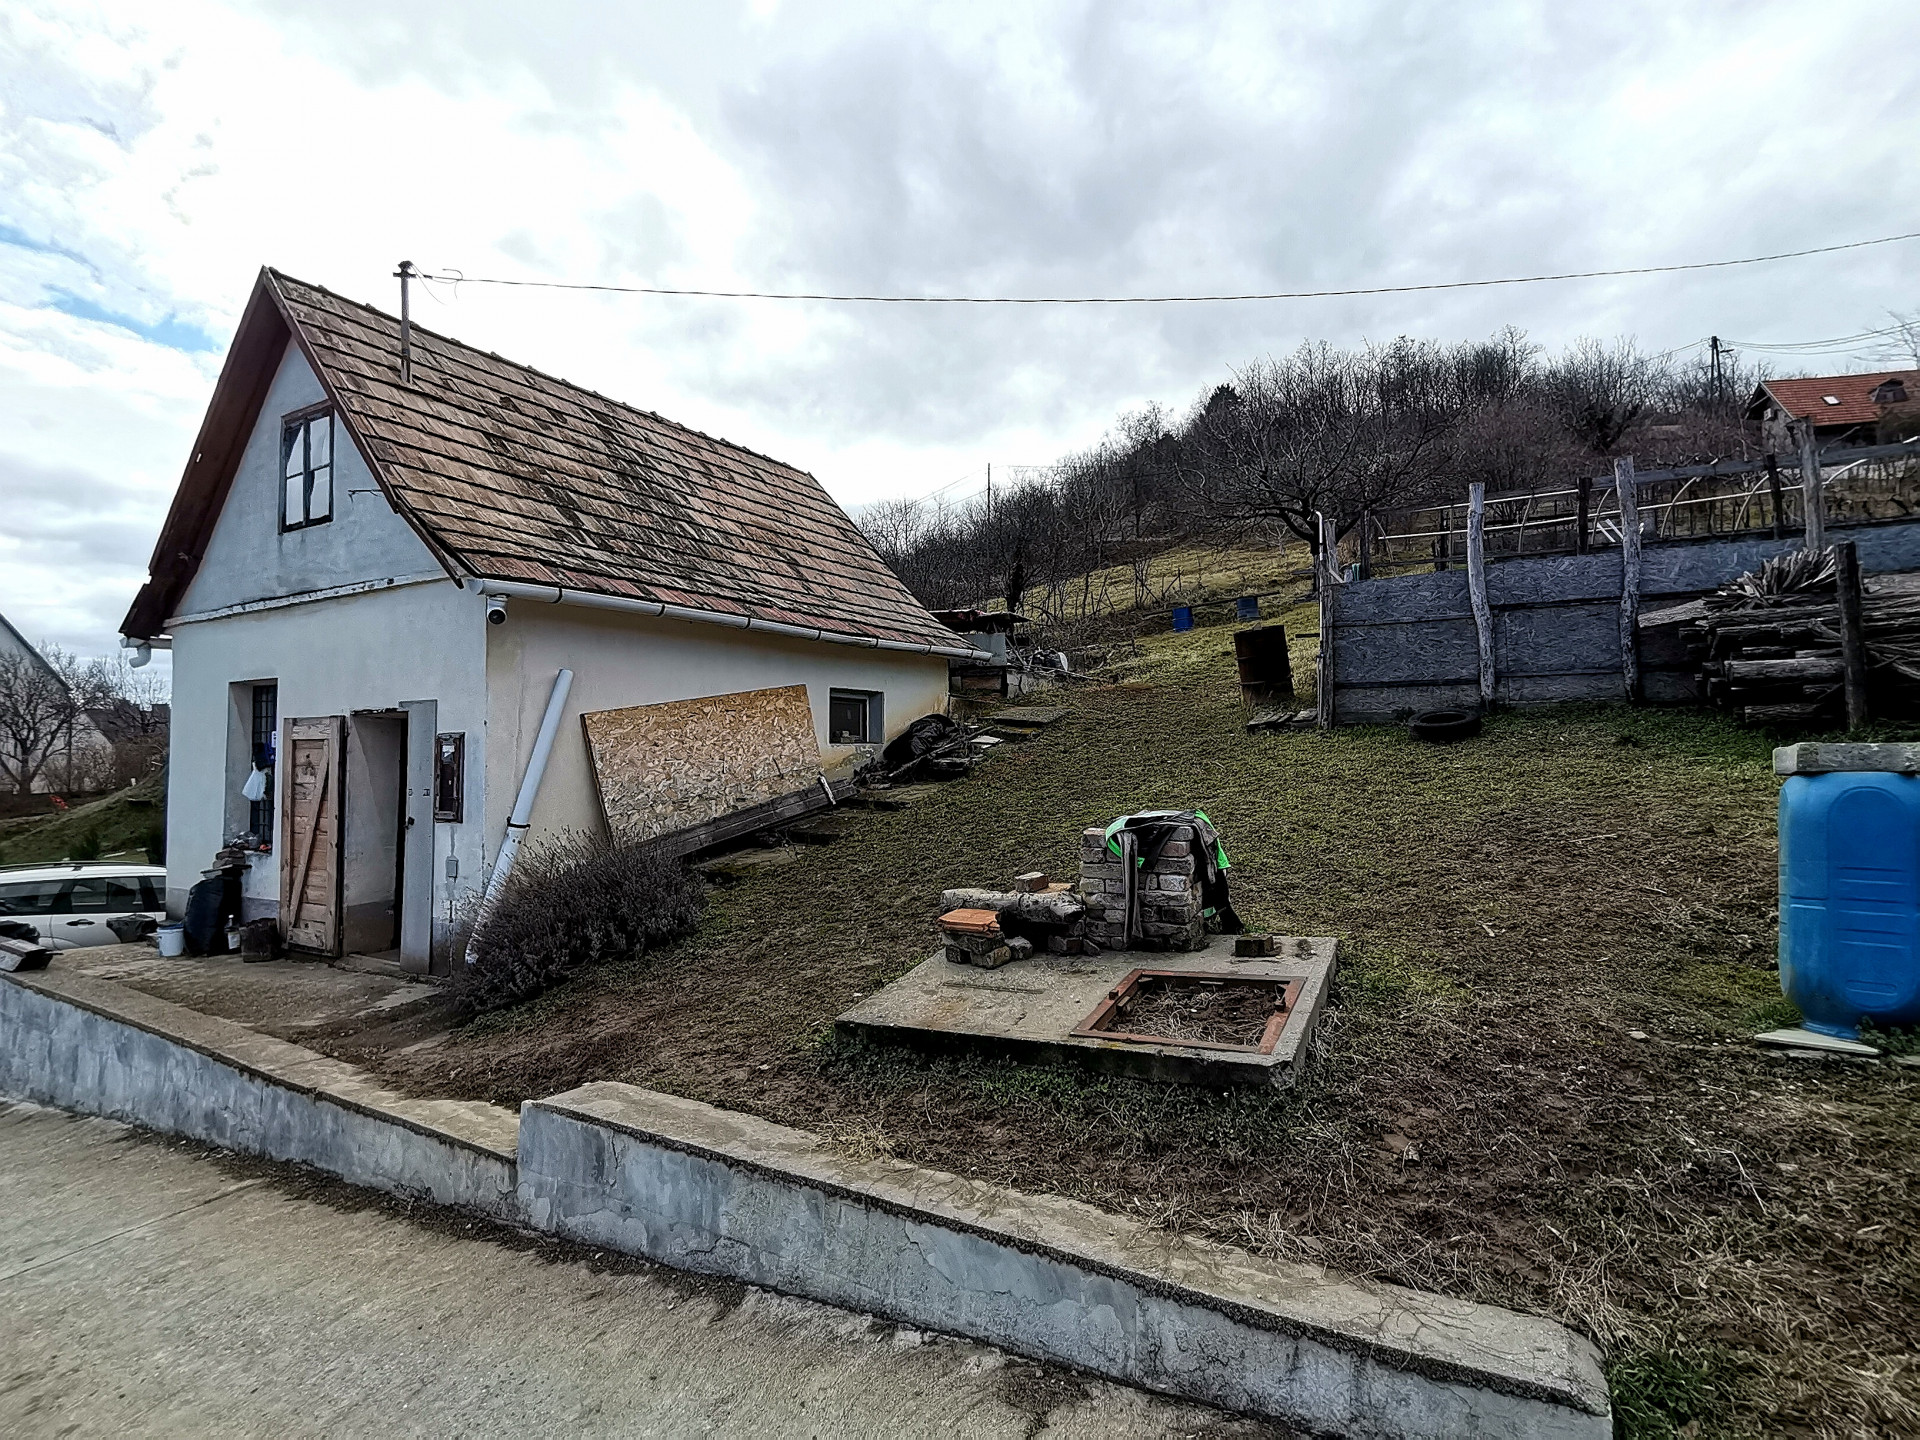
x=1440 y=726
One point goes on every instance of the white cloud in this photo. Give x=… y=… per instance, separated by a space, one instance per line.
x=151 y=158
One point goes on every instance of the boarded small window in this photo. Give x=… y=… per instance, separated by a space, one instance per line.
x=306 y=448
x=853 y=717
x=449 y=777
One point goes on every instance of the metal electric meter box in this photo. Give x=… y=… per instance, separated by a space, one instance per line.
x=1850 y=884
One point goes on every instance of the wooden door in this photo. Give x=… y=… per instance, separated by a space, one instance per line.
x=313 y=754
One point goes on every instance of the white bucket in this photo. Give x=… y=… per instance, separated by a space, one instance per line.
x=172 y=937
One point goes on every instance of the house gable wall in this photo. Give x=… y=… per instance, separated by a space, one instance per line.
x=249 y=558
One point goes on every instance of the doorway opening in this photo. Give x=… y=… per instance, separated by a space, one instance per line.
x=373 y=858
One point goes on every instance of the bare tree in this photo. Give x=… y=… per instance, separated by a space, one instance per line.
x=1903 y=345
x=1599 y=393
x=1331 y=432
x=44 y=699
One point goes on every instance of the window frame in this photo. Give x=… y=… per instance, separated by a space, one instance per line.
x=296 y=429
x=263 y=752
x=872 y=715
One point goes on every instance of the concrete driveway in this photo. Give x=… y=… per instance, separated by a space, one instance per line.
x=149 y=1287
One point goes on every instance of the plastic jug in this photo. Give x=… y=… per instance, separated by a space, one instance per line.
x=1850 y=885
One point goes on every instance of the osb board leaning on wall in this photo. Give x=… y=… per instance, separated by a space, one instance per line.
x=662 y=768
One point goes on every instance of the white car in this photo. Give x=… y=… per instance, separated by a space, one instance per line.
x=71 y=903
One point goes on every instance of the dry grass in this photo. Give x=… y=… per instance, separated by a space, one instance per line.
x=1737 y=1230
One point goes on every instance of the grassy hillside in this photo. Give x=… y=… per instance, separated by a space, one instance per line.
x=128 y=824
x=1537 y=1087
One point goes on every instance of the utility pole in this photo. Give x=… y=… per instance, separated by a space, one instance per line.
x=1714 y=342
x=989 y=492
x=404 y=274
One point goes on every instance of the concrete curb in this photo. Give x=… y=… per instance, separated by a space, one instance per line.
x=711 y=1190
x=103 y=1049
x=722 y=1193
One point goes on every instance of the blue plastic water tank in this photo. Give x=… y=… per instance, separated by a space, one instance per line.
x=1183 y=617
x=1850 y=899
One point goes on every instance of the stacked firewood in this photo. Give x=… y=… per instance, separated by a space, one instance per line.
x=1769 y=644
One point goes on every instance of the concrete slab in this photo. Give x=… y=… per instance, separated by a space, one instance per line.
x=287 y=998
x=1795 y=1038
x=1029 y=1010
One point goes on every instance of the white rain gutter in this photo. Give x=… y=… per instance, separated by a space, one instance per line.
x=522 y=815
x=556 y=595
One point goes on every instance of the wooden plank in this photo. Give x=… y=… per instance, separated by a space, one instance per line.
x=758 y=817
x=1323 y=680
x=1853 y=649
x=1625 y=485
x=1812 y=498
x=312 y=754
x=667 y=767
x=1477 y=586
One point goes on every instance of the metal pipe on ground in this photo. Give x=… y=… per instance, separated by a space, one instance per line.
x=522 y=815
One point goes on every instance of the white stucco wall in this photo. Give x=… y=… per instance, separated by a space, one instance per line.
x=373 y=651
x=620 y=660
x=249 y=558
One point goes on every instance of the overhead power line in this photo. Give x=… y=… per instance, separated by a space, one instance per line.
x=456 y=277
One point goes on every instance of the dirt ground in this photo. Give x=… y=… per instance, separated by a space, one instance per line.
x=1537 y=1085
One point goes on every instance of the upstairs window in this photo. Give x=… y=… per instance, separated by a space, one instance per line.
x=1890 y=392
x=306 y=449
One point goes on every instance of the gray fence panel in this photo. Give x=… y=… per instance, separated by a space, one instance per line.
x=1390 y=704
x=1405 y=597
x=1551 y=641
x=1400 y=642
x=1554 y=579
x=1419 y=650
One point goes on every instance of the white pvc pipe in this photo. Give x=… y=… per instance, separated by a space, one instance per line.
x=557 y=595
x=522 y=815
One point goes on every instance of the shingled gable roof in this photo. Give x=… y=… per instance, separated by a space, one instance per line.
x=509 y=474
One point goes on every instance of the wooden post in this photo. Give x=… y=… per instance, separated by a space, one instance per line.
x=1477 y=587
x=1626 y=486
x=1853 y=646
x=1583 y=492
x=1779 y=500
x=1812 y=500
x=1329 y=589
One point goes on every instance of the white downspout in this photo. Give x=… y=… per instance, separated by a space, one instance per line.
x=522 y=814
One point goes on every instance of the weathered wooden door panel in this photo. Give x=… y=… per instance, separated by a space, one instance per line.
x=313 y=755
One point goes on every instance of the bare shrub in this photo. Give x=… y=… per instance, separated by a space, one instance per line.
x=572 y=902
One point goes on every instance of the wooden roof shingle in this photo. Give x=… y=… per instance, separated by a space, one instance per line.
x=511 y=474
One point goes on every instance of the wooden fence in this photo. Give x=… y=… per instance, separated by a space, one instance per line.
x=1541 y=629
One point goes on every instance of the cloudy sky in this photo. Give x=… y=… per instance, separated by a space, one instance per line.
x=152 y=157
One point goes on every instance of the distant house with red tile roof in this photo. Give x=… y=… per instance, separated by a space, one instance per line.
x=1842 y=407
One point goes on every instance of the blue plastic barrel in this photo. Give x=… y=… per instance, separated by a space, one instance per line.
x=1183 y=617
x=1247 y=607
x=1850 y=899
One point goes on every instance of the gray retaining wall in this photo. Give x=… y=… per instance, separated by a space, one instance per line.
x=102 y=1049
x=726 y=1194
x=1407 y=642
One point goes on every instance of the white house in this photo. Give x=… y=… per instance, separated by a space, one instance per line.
x=325 y=578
